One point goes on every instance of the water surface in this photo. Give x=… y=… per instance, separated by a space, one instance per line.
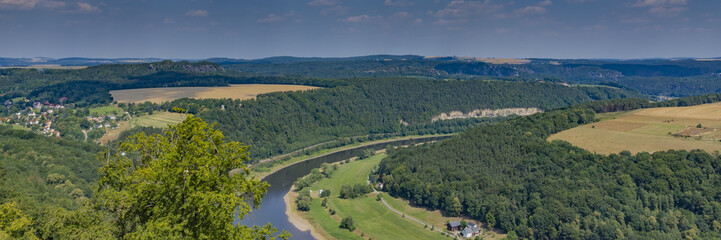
x=272 y=209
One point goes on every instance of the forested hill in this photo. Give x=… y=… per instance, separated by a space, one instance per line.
x=509 y=176
x=91 y=86
x=663 y=77
x=48 y=179
x=282 y=122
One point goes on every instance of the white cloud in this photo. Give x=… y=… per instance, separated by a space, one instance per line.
x=275 y=18
x=87 y=8
x=271 y=18
x=664 y=8
x=323 y=2
x=197 y=13
x=461 y=8
x=402 y=14
x=360 y=18
x=449 y=22
x=530 y=9
x=400 y=3
x=418 y=21
x=545 y=3
x=651 y=3
x=30 y=4
x=666 y=11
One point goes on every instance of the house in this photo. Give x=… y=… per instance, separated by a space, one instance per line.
x=454 y=226
x=37 y=105
x=470 y=231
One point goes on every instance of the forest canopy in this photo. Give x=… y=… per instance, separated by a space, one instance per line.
x=510 y=174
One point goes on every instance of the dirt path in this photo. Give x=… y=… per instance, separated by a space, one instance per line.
x=403 y=214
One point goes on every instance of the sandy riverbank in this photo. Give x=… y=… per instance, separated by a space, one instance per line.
x=295 y=218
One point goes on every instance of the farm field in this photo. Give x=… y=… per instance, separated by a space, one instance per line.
x=650 y=130
x=107 y=110
x=372 y=218
x=235 y=91
x=158 y=120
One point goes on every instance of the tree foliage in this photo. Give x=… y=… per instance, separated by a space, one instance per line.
x=283 y=122
x=509 y=176
x=180 y=185
x=347 y=223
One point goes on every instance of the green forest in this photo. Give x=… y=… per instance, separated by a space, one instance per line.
x=498 y=170
x=662 y=77
x=278 y=123
x=510 y=177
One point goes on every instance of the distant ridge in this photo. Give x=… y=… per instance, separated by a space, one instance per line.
x=72 y=61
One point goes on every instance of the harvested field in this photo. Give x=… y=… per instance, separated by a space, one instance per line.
x=650 y=130
x=236 y=91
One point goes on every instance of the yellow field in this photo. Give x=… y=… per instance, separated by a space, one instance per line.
x=650 y=130
x=237 y=91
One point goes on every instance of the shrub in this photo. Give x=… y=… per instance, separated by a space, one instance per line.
x=347 y=223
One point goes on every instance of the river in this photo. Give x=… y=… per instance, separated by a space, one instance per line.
x=272 y=208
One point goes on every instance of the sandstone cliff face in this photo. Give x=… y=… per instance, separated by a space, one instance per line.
x=487 y=113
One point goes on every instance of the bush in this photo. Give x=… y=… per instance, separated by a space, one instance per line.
x=354 y=191
x=347 y=223
x=303 y=201
x=325 y=193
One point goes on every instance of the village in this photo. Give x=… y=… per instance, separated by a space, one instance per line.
x=55 y=120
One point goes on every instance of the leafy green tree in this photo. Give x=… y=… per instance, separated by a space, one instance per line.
x=303 y=201
x=14 y=223
x=490 y=220
x=456 y=207
x=347 y=223
x=180 y=185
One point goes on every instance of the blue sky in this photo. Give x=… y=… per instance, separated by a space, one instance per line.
x=336 y=28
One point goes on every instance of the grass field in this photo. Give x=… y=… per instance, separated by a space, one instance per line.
x=107 y=110
x=113 y=134
x=372 y=218
x=237 y=91
x=158 y=119
x=650 y=130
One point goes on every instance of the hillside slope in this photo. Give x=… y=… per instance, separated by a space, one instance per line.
x=509 y=176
